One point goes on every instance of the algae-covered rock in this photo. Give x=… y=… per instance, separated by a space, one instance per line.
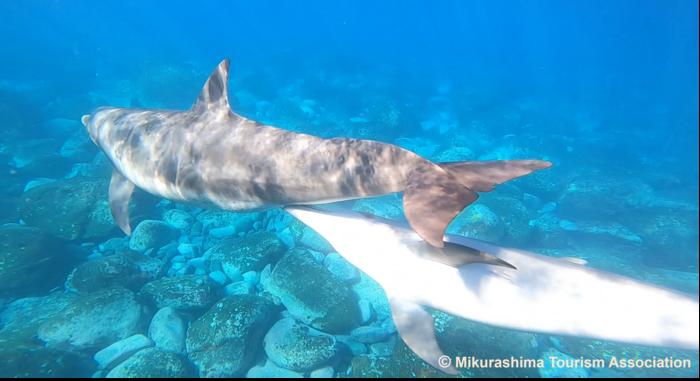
x=297 y=347
x=30 y=360
x=460 y=337
x=181 y=292
x=224 y=341
x=480 y=222
x=152 y=234
x=29 y=259
x=514 y=217
x=21 y=319
x=313 y=294
x=249 y=253
x=70 y=209
x=402 y=364
x=153 y=363
x=129 y=269
x=272 y=370
x=93 y=320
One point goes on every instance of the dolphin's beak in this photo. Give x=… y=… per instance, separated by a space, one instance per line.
x=86 y=121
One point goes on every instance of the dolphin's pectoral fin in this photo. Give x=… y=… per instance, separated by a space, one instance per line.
x=482 y=176
x=432 y=199
x=455 y=255
x=214 y=94
x=120 y=190
x=417 y=329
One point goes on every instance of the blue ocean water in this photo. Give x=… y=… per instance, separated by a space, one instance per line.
x=607 y=91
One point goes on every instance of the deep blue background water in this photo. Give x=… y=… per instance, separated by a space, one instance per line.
x=632 y=65
x=607 y=90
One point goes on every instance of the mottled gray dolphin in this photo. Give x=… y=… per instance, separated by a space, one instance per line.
x=210 y=155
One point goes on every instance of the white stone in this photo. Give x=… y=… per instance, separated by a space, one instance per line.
x=222 y=232
x=218 y=277
x=119 y=351
x=168 y=330
x=325 y=372
x=270 y=370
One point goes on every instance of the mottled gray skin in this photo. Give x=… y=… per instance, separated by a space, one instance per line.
x=220 y=158
x=211 y=156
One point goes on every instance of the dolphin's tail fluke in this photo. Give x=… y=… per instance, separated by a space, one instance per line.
x=436 y=193
x=482 y=176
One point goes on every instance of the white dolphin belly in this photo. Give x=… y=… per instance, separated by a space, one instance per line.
x=544 y=294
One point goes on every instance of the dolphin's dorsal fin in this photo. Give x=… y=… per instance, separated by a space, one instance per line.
x=120 y=190
x=214 y=95
x=417 y=329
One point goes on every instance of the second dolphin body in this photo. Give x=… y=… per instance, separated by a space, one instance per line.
x=502 y=287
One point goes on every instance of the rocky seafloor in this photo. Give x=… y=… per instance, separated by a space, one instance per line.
x=197 y=292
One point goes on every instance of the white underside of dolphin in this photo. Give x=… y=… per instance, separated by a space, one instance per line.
x=543 y=294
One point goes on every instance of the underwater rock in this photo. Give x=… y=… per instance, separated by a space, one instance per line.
x=128 y=269
x=567 y=371
x=153 y=363
x=93 y=320
x=152 y=234
x=181 y=292
x=390 y=207
x=351 y=346
x=670 y=238
x=341 y=268
x=514 y=217
x=271 y=370
x=370 y=334
x=218 y=277
x=249 y=253
x=21 y=319
x=325 y=372
x=38 y=158
x=36 y=182
x=366 y=310
x=168 y=330
x=479 y=222
x=69 y=209
x=240 y=222
x=313 y=294
x=458 y=336
x=29 y=259
x=239 y=288
x=79 y=147
x=121 y=350
x=224 y=341
x=403 y=363
x=367 y=289
x=179 y=219
x=612 y=196
x=305 y=236
x=30 y=360
x=298 y=347
x=384 y=348
x=454 y=154
x=8 y=208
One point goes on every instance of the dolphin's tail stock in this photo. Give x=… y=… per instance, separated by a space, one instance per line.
x=437 y=192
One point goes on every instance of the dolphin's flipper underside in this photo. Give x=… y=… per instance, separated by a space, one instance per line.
x=455 y=255
x=120 y=190
x=417 y=329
